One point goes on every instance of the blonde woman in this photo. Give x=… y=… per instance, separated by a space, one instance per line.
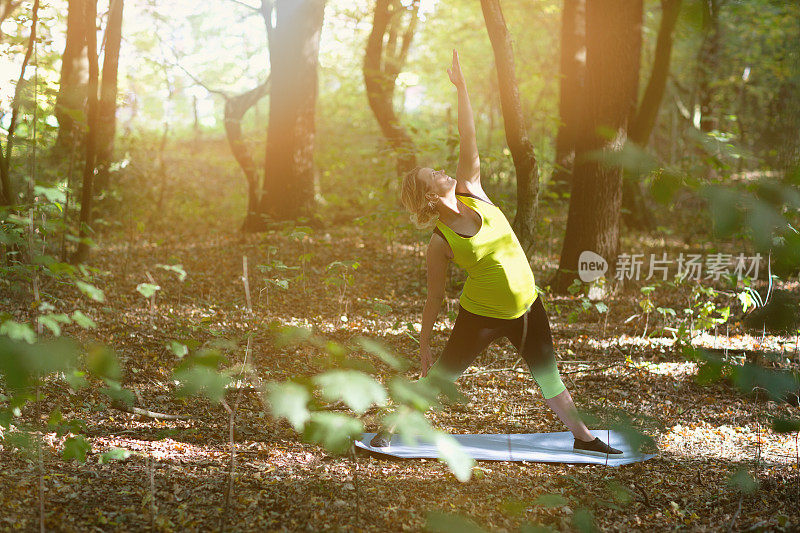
x=499 y=298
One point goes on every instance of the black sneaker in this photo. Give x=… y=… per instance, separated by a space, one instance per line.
x=381 y=439
x=595 y=447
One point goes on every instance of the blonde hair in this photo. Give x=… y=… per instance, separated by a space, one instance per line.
x=418 y=200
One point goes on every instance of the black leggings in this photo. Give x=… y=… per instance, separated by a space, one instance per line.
x=473 y=333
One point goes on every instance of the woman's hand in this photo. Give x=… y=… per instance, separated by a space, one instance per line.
x=455 y=72
x=426 y=360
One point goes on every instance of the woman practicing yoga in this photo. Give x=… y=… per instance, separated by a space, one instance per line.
x=499 y=298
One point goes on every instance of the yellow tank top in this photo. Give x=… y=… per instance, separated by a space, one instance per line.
x=500 y=282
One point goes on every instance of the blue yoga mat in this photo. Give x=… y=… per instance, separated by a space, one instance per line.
x=532 y=447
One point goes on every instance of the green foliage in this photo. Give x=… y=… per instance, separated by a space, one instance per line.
x=294 y=400
x=357 y=390
x=76 y=448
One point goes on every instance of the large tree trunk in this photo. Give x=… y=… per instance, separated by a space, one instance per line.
x=573 y=70
x=288 y=190
x=107 y=110
x=382 y=64
x=235 y=108
x=525 y=164
x=71 y=100
x=89 y=162
x=613 y=45
x=636 y=213
x=7 y=196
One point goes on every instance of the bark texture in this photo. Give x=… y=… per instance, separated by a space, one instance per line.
x=71 y=100
x=87 y=191
x=525 y=164
x=636 y=213
x=235 y=108
x=613 y=43
x=384 y=57
x=573 y=71
x=107 y=109
x=288 y=189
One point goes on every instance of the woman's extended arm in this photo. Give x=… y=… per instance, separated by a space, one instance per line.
x=437 y=259
x=469 y=164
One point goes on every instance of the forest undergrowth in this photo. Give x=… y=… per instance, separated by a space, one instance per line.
x=719 y=463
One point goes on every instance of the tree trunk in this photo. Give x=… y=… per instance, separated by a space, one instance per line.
x=573 y=71
x=288 y=190
x=235 y=108
x=525 y=164
x=107 y=110
x=7 y=196
x=613 y=44
x=71 y=100
x=642 y=126
x=707 y=62
x=636 y=213
x=89 y=163
x=382 y=65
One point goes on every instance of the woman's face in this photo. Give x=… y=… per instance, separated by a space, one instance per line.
x=436 y=181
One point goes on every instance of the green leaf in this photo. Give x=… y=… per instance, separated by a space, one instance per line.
x=114 y=454
x=289 y=400
x=420 y=394
x=103 y=362
x=457 y=460
x=178 y=269
x=786 y=425
x=17 y=331
x=743 y=481
x=583 y=521
x=410 y=425
x=76 y=448
x=202 y=380
x=82 y=320
x=91 y=291
x=281 y=283
x=76 y=379
x=383 y=353
x=334 y=431
x=179 y=349
x=117 y=392
x=550 y=500
x=356 y=389
x=147 y=289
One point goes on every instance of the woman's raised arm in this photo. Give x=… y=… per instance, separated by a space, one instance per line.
x=469 y=164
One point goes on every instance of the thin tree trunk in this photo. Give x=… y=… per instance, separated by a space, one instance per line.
x=573 y=70
x=642 y=126
x=71 y=100
x=89 y=164
x=636 y=214
x=613 y=44
x=525 y=164
x=382 y=64
x=7 y=191
x=707 y=62
x=107 y=111
x=235 y=108
x=288 y=189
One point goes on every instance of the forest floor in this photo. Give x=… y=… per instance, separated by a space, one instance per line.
x=176 y=478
